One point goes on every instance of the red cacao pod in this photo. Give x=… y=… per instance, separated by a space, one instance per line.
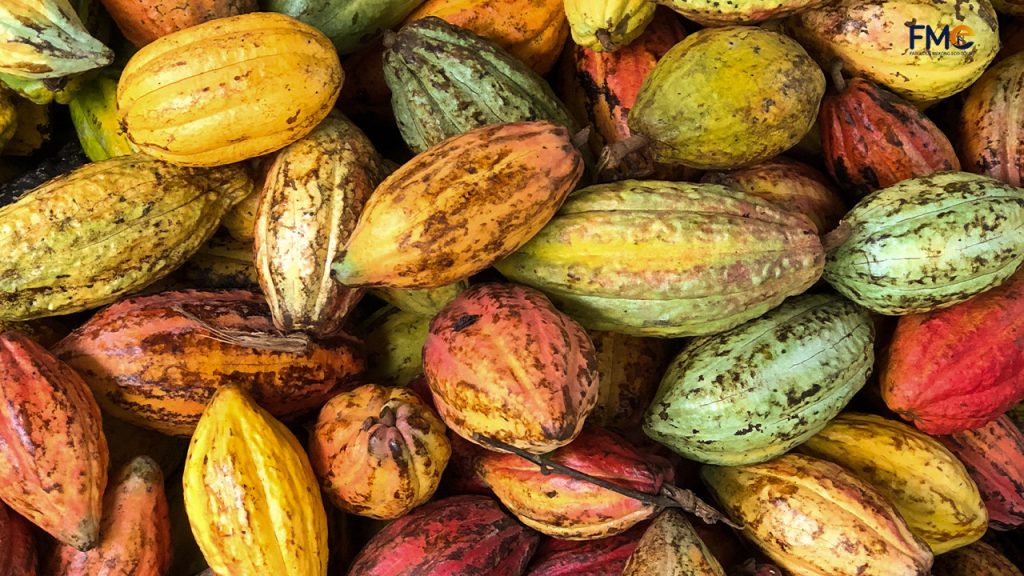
x=960 y=367
x=502 y=362
x=994 y=457
x=142 y=21
x=458 y=536
x=17 y=546
x=602 y=557
x=135 y=538
x=992 y=126
x=575 y=509
x=872 y=139
x=155 y=361
x=53 y=455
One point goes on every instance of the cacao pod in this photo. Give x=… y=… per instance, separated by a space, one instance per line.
x=991 y=130
x=763 y=88
x=143 y=21
x=994 y=456
x=94 y=114
x=53 y=468
x=60 y=90
x=790 y=185
x=349 y=25
x=240 y=220
x=135 y=536
x=978 y=559
x=960 y=367
x=607 y=25
x=156 y=361
x=671 y=547
x=533 y=31
x=250 y=493
x=378 y=451
x=8 y=118
x=228 y=89
x=633 y=257
x=32 y=129
x=712 y=13
x=428 y=224
x=18 y=554
x=105 y=230
x=394 y=345
x=573 y=509
x=311 y=199
x=873 y=42
x=458 y=536
x=427 y=112
x=506 y=346
x=629 y=370
x=222 y=262
x=601 y=557
x=873 y=139
x=926 y=483
x=814 y=518
x=424 y=302
x=927 y=243
x=752 y=393
x=41 y=39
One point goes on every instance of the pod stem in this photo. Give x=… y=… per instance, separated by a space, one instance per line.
x=836 y=237
x=295 y=343
x=615 y=153
x=836 y=71
x=604 y=37
x=668 y=497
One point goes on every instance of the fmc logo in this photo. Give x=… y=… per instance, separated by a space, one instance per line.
x=945 y=38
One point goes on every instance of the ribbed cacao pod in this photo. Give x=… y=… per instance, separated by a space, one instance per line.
x=814 y=518
x=17 y=546
x=671 y=547
x=994 y=456
x=143 y=21
x=394 y=345
x=135 y=536
x=427 y=112
x=425 y=302
x=572 y=509
x=633 y=257
x=53 y=468
x=607 y=25
x=927 y=243
x=601 y=557
x=156 y=361
x=926 y=483
x=458 y=536
x=378 y=451
x=42 y=39
x=752 y=393
x=427 y=225
x=978 y=559
x=758 y=96
x=94 y=114
x=958 y=368
x=872 y=40
x=991 y=130
x=872 y=139
x=791 y=185
x=250 y=492
x=629 y=370
x=711 y=13
x=105 y=230
x=533 y=31
x=222 y=262
x=502 y=345
x=187 y=99
x=313 y=194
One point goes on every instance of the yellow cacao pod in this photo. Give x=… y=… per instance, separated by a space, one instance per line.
x=94 y=114
x=32 y=129
x=607 y=25
x=8 y=118
x=240 y=221
x=228 y=89
x=251 y=495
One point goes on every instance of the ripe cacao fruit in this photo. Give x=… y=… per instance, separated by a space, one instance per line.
x=458 y=536
x=228 y=89
x=349 y=25
x=712 y=13
x=633 y=257
x=240 y=221
x=143 y=21
x=156 y=361
x=791 y=185
x=378 y=451
x=573 y=509
x=629 y=370
x=607 y=25
x=53 y=468
x=601 y=557
x=814 y=518
x=671 y=547
x=425 y=302
x=94 y=114
x=41 y=39
x=991 y=129
x=250 y=493
x=394 y=345
x=428 y=224
x=873 y=139
x=926 y=483
x=978 y=559
x=875 y=41
x=506 y=345
x=135 y=536
x=958 y=368
x=994 y=456
x=426 y=65
x=750 y=394
x=18 y=554
x=533 y=31
x=927 y=243
x=222 y=262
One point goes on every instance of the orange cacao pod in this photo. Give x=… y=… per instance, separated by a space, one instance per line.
x=53 y=455
x=17 y=546
x=501 y=361
x=155 y=361
x=142 y=21
x=991 y=127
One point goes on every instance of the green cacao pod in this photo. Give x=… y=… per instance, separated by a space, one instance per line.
x=394 y=345
x=350 y=24
x=754 y=392
x=446 y=80
x=649 y=258
x=423 y=301
x=927 y=243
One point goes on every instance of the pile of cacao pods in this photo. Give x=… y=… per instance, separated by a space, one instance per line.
x=511 y=287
